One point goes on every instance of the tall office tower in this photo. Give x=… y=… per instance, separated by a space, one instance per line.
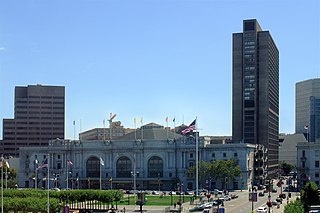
x=308 y=109
x=39 y=116
x=255 y=92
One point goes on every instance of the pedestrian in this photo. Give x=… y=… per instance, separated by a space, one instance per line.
x=174 y=205
x=124 y=209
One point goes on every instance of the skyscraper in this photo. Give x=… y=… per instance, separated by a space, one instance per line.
x=255 y=92
x=39 y=116
x=308 y=109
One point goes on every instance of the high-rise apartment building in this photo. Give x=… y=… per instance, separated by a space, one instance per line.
x=308 y=109
x=255 y=92
x=39 y=116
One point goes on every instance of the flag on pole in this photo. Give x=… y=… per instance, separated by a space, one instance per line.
x=44 y=164
x=110 y=179
x=74 y=122
x=101 y=162
x=306 y=127
x=134 y=121
x=69 y=163
x=104 y=122
x=190 y=128
x=7 y=164
x=141 y=120
x=174 y=120
x=167 y=119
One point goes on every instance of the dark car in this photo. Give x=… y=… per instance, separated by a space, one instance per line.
x=279 y=200
x=261 y=194
x=274 y=191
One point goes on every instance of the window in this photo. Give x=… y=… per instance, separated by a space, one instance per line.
x=317 y=175
x=124 y=167
x=303 y=153
x=155 y=167
x=191 y=155
x=235 y=154
x=213 y=155
x=224 y=154
x=59 y=156
x=93 y=167
x=316 y=164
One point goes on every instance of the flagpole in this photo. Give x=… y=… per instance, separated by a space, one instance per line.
x=2 y=183
x=36 y=181
x=110 y=125
x=6 y=176
x=174 y=128
x=167 y=128
x=197 y=159
x=104 y=129
x=135 y=129
x=74 y=130
x=67 y=172
x=141 y=128
x=100 y=172
x=48 y=183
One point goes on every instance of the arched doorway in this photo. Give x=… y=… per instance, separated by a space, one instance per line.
x=93 y=173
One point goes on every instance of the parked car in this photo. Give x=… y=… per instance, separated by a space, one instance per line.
x=262 y=209
x=274 y=191
x=279 y=200
x=275 y=203
x=227 y=197
x=234 y=196
x=261 y=194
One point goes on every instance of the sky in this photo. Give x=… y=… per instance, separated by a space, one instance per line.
x=149 y=58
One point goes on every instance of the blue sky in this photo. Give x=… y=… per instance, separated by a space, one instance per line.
x=149 y=59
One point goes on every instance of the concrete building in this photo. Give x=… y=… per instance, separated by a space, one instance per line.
x=255 y=92
x=288 y=147
x=156 y=157
x=114 y=131
x=308 y=166
x=308 y=109
x=39 y=116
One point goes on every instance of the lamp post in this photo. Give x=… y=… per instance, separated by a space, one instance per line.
x=159 y=181
x=134 y=174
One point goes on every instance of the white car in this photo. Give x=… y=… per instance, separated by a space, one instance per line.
x=262 y=209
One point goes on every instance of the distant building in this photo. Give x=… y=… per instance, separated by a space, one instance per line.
x=255 y=92
x=39 y=116
x=288 y=147
x=115 y=130
x=161 y=159
x=308 y=109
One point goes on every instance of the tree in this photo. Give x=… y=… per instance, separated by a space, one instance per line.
x=294 y=207
x=310 y=195
x=286 y=167
x=219 y=170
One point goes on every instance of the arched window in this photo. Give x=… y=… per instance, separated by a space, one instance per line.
x=93 y=167
x=124 y=167
x=155 y=167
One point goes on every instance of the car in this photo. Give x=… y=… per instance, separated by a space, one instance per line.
x=261 y=194
x=206 y=205
x=227 y=197
x=234 y=196
x=217 y=191
x=262 y=209
x=274 y=191
x=279 y=199
x=196 y=209
x=275 y=202
x=155 y=193
x=172 y=193
x=55 y=189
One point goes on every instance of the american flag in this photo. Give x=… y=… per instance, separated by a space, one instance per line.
x=44 y=164
x=69 y=163
x=190 y=128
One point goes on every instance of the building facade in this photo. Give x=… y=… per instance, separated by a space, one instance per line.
x=39 y=116
x=155 y=157
x=255 y=92
x=308 y=109
x=308 y=162
x=115 y=131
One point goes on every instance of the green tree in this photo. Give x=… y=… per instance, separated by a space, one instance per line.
x=219 y=170
x=294 y=207
x=309 y=195
x=286 y=167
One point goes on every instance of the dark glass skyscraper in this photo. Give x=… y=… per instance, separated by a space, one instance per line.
x=255 y=92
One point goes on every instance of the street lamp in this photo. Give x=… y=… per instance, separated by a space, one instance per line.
x=134 y=173
x=159 y=181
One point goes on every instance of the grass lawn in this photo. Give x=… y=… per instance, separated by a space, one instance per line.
x=157 y=200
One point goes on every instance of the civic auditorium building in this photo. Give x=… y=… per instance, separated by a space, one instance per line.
x=152 y=156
